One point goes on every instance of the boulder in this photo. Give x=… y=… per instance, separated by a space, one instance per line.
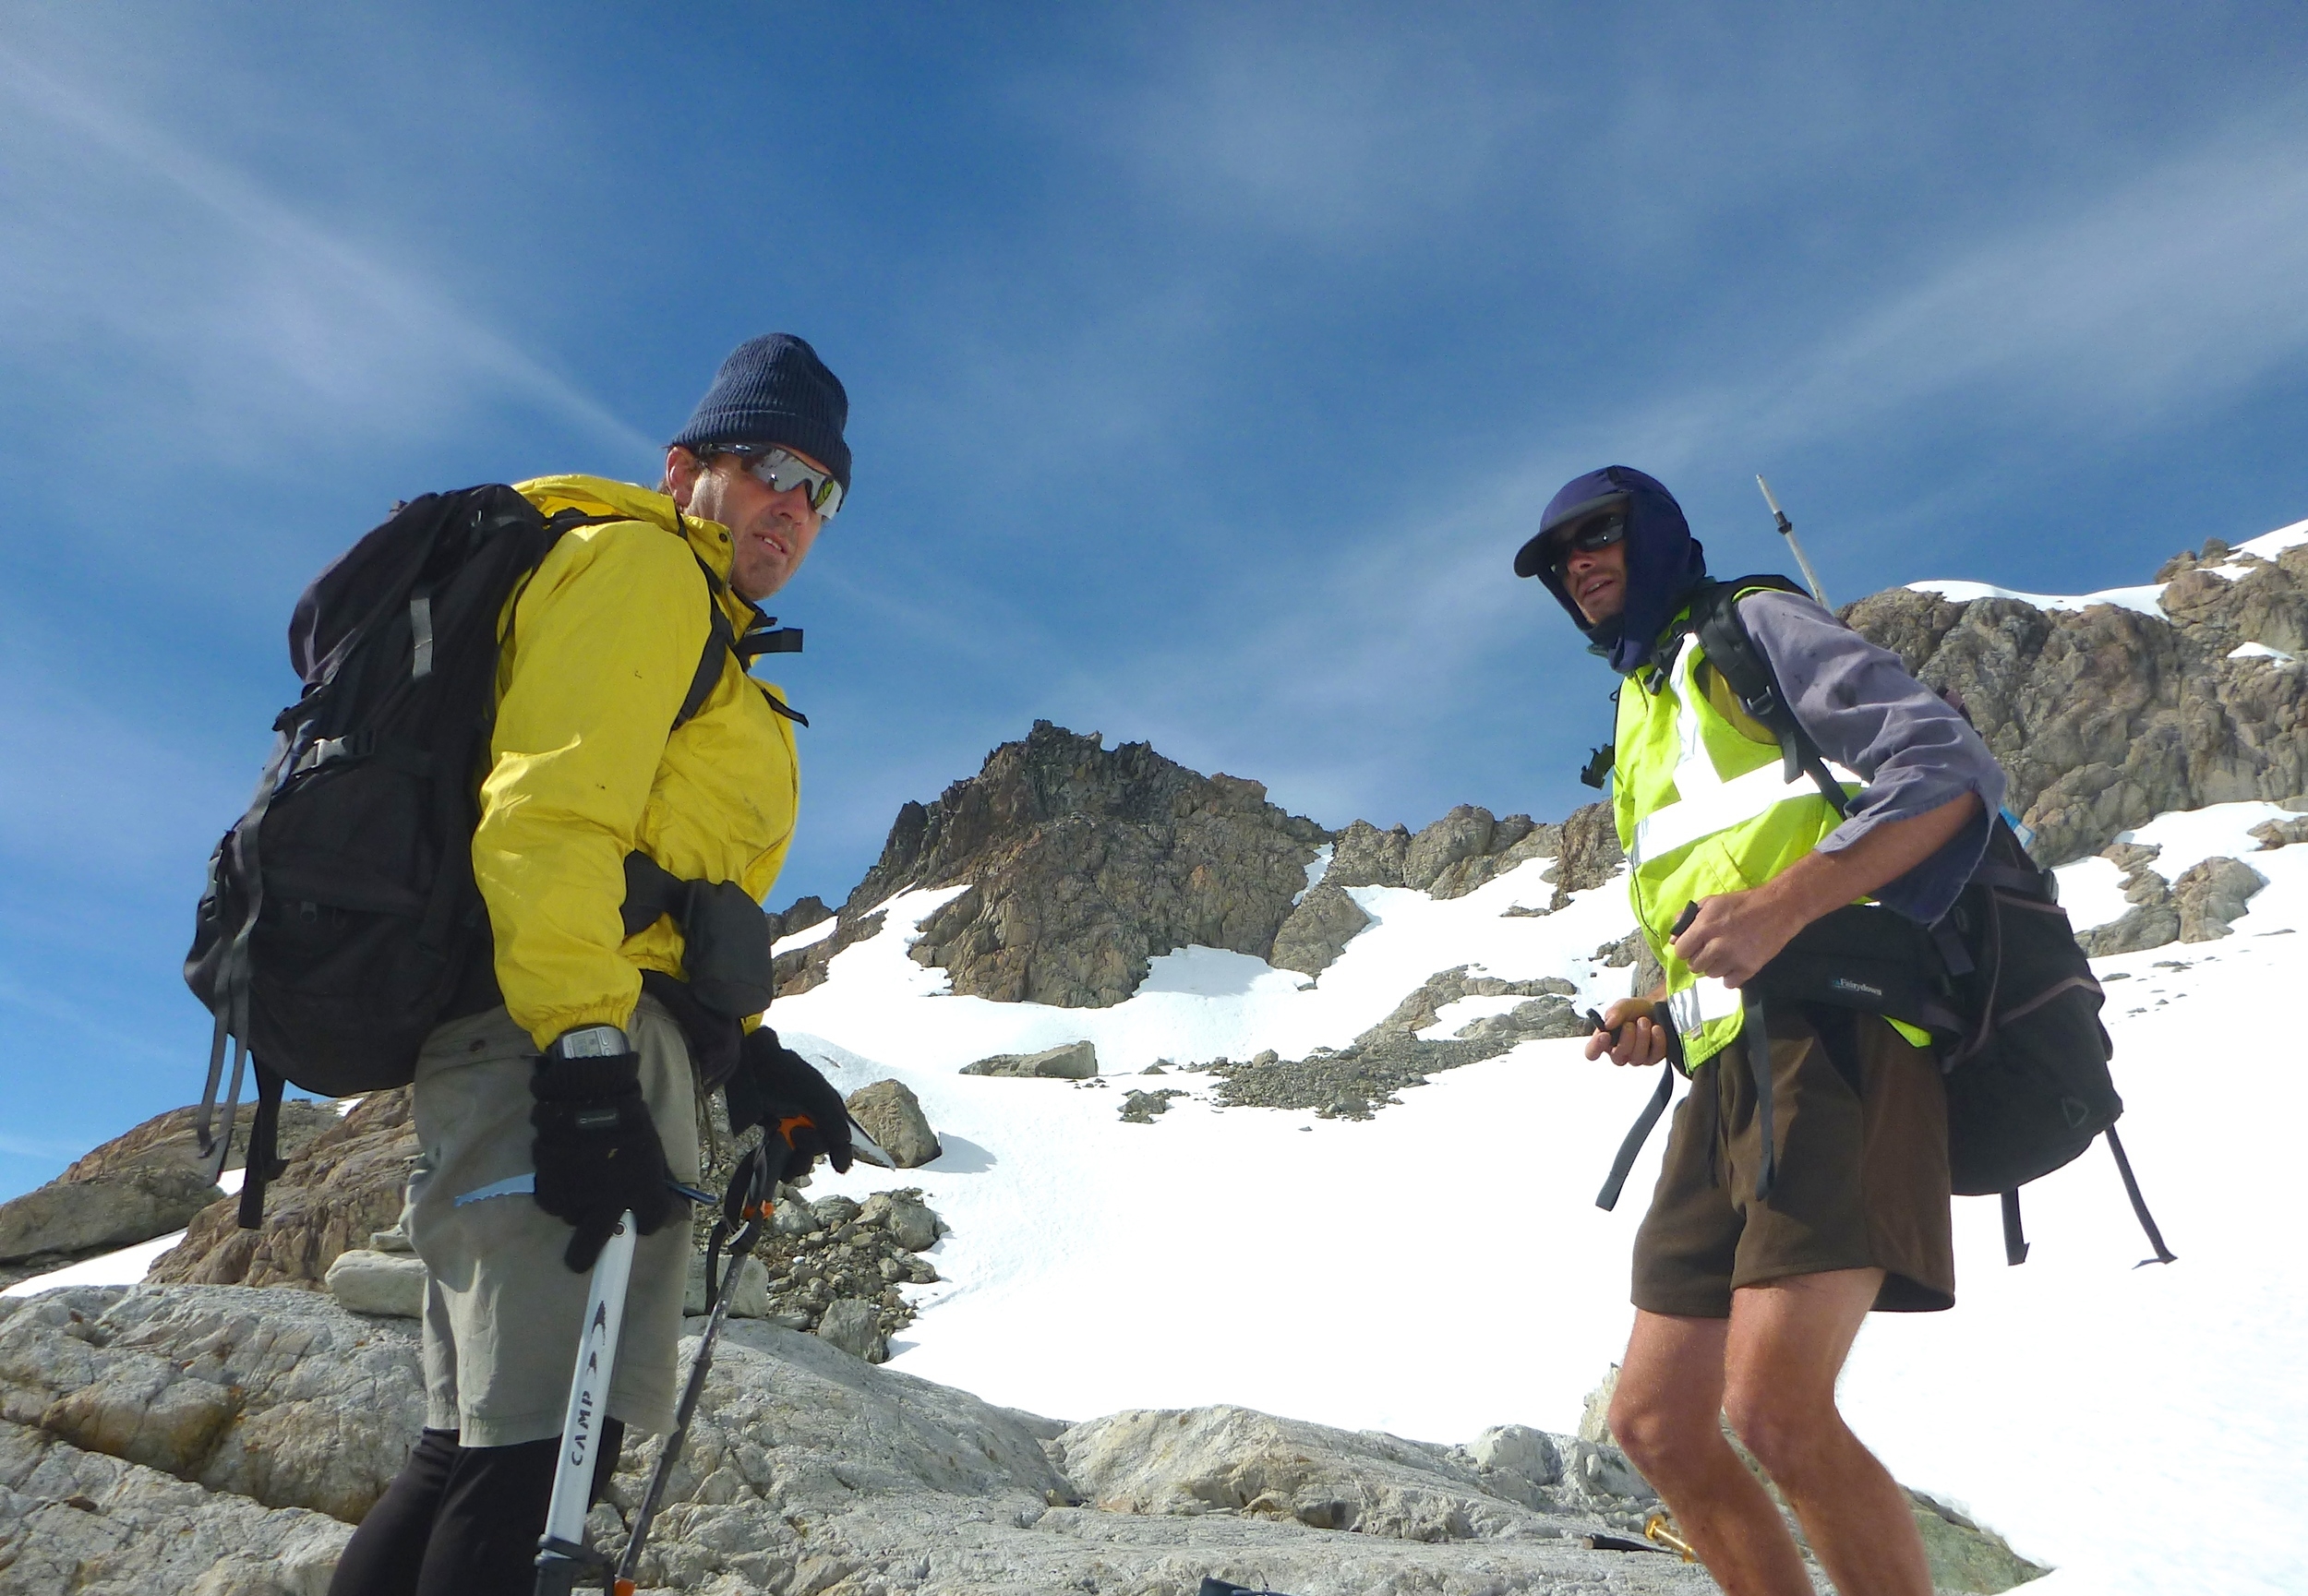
x=1074 y=1062
x=367 y=1281
x=748 y=1300
x=851 y=1325
x=2281 y=833
x=2212 y=893
x=1140 y=1107
x=131 y=1204
x=1317 y=930
x=1595 y=1415
x=891 y=1115
x=1600 y=1471
x=1519 y=1450
x=2153 y=919
x=906 y=1218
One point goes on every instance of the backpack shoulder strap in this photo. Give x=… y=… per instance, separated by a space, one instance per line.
x=762 y=635
x=1724 y=639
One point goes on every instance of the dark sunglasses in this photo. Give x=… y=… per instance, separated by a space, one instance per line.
x=779 y=469
x=1599 y=531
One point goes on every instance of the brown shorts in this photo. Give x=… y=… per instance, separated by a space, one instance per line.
x=1862 y=1178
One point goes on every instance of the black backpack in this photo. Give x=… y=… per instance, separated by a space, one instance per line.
x=2000 y=978
x=341 y=922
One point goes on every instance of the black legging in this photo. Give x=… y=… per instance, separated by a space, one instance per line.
x=461 y=1521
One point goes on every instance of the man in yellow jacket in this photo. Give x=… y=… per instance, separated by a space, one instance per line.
x=544 y=1118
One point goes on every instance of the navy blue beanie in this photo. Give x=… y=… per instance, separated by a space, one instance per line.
x=1664 y=560
x=774 y=389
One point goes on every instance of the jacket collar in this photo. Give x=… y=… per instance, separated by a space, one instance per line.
x=600 y=496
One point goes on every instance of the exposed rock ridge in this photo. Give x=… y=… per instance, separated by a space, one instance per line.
x=343 y=1186
x=2106 y=717
x=1083 y=863
x=143 y=1183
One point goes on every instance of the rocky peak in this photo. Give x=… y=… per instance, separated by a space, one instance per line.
x=1083 y=862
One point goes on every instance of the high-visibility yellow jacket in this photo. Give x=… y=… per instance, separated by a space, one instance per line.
x=1702 y=808
x=601 y=644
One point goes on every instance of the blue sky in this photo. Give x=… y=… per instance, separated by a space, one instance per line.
x=1207 y=366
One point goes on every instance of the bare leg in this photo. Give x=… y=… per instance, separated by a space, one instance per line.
x=1666 y=1415
x=1785 y=1345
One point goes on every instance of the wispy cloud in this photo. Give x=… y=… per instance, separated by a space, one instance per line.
x=2166 y=293
x=251 y=324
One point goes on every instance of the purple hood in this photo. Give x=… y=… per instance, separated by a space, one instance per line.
x=1664 y=560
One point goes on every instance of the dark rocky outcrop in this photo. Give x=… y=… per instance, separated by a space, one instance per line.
x=2106 y=717
x=1351 y=1083
x=1366 y=856
x=1317 y=929
x=1589 y=852
x=1083 y=863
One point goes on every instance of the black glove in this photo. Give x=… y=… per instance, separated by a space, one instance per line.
x=799 y=1113
x=597 y=1153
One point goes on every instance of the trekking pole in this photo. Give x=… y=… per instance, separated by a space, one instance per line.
x=1786 y=530
x=745 y=1208
x=562 y=1555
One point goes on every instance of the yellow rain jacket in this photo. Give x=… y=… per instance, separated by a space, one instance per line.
x=600 y=646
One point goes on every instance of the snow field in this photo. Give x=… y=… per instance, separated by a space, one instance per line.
x=1443 y=1268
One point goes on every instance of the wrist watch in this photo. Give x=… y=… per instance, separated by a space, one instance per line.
x=589 y=1042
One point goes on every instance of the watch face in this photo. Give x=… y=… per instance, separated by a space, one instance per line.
x=591 y=1042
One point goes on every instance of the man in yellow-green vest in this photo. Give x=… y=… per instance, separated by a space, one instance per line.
x=1767 y=1244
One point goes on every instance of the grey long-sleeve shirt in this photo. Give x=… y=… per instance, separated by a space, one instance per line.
x=1867 y=714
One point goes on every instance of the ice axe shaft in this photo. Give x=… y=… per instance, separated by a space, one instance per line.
x=1786 y=530
x=562 y=1557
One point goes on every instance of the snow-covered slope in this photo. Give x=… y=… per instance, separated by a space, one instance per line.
x=1442 y=1267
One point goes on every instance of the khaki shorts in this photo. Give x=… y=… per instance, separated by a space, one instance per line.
x=501 y=1310
x=1862 y=1179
